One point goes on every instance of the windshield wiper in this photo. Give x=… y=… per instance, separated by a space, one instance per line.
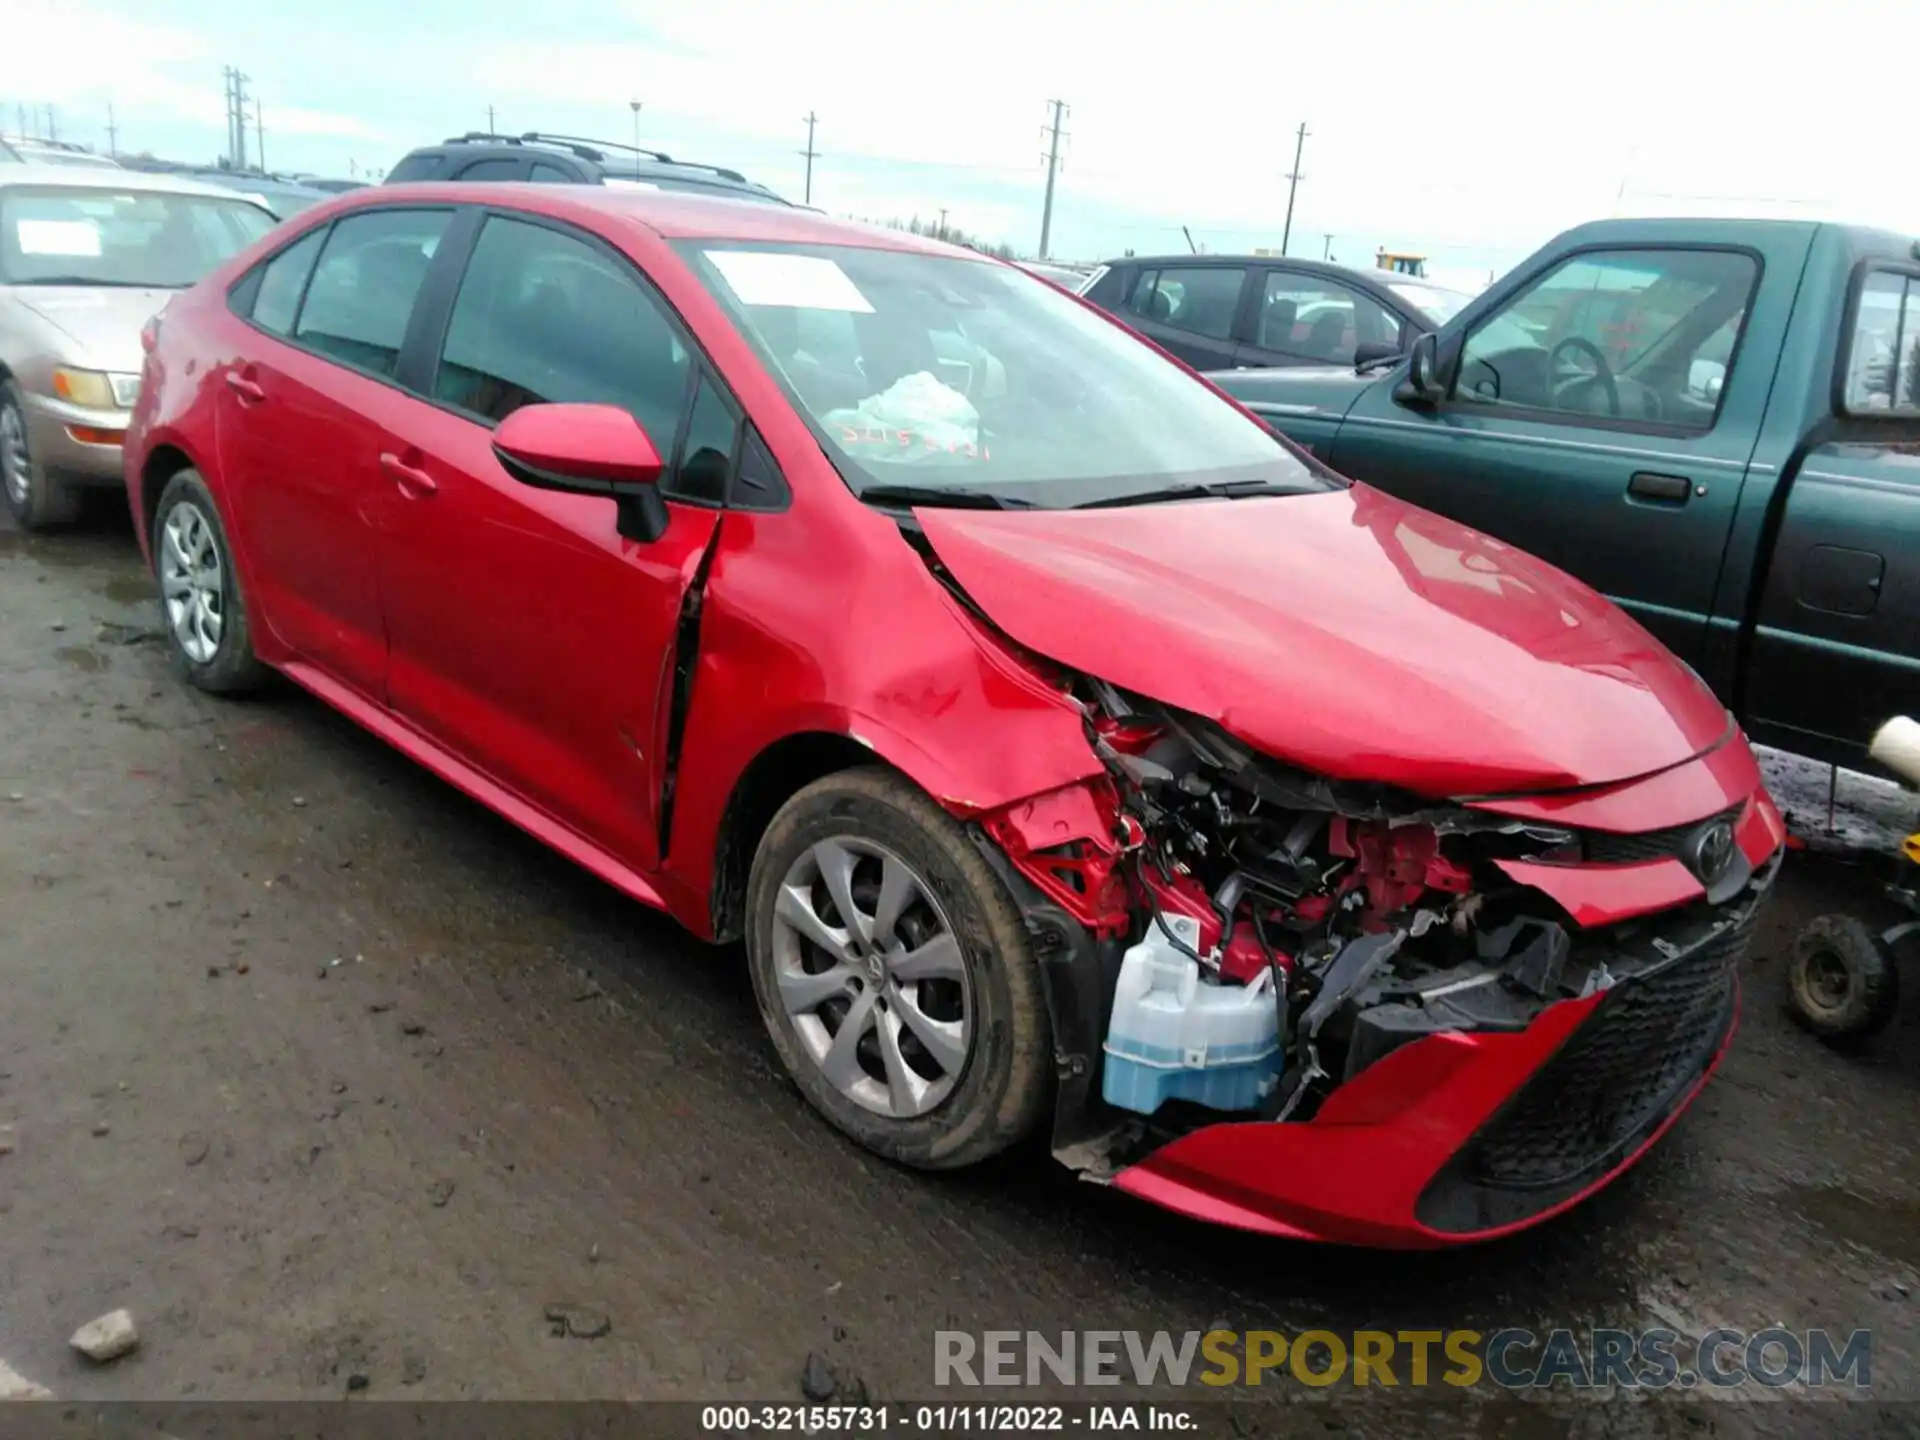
x=942 y=497
x=1227 y=490
x=94 y=280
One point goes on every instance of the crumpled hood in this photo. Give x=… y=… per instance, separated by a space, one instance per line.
x=100 y=324
x=1347 y=632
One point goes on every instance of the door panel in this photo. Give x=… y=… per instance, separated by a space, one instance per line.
x=1581 y=429
x=299 y=433
x=526 y=634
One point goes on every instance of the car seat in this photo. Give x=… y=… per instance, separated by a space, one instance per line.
x=1327 y=340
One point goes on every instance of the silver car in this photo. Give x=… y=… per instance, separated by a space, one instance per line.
x=87 y=257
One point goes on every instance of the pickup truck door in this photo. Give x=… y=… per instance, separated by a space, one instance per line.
x=1600 y=412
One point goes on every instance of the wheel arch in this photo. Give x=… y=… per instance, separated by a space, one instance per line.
x=770 y=779
x=162 y=462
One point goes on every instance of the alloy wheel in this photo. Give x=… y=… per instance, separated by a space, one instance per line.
x=871 y=977
x=192 y=581
x=16 y=466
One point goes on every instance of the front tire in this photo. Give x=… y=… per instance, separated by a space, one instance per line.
x=894 y=974
x=205 y=611
x=1841 y=982
x=36 y=499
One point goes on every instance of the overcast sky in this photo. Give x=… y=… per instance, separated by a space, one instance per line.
x=1470 y=131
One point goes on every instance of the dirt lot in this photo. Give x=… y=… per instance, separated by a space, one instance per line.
x=326 y=1072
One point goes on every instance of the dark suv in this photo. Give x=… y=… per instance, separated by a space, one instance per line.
x=570 y=160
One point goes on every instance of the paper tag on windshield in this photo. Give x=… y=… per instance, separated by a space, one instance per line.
x=801 y=282
x=58 y=237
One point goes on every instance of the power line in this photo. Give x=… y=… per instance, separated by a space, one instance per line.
x=1293 y=183
x=1053 y=165
x=812 y=155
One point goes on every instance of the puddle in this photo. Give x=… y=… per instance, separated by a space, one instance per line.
x=81 y=658
x=129 y=589
x=1891 y=1227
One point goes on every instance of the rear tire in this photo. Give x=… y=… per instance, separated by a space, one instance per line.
x=201 y=602
x=949 y=1060
x=36 y=499
x=1841 y=982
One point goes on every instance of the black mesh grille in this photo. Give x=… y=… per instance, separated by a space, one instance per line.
x=1607 y=848
x=1641 y=1047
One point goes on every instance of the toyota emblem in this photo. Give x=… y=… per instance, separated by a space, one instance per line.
x=1711 y=851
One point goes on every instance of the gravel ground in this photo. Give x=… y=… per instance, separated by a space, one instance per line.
x=324 y=1072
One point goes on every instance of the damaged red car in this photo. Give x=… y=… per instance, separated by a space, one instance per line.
x=1071 y=753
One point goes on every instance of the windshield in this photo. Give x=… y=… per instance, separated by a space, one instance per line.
x=1436 y=304
x=975 y=378
x=96 y=236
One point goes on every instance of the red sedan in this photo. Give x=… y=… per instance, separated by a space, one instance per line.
x=1068 y=750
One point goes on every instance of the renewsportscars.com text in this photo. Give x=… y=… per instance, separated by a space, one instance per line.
x=1512 y=1359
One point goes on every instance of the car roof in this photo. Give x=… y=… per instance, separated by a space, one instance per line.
x=76 y=177
x=673 y=215
x=618 y=163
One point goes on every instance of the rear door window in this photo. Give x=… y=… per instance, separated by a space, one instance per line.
x=545 y=174
x=362 y=292
x=1883 y=357
x=511 y=169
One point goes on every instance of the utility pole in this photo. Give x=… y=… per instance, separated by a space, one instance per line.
x=1326 y=250
x=634 y=105
x=53 y=128
x=812 y=155
x=113 y=135
x=1053 y=165
x=259 y=135
x=236 y=117
x=1293 y=183
x=490 y=129
x=20 y=112
x=943 y=222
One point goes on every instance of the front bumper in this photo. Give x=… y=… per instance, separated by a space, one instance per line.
x=66 y=441
x=1465 y=1136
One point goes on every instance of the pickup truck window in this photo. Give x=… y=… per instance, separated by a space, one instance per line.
x=1626 y=336
x=1883 y=361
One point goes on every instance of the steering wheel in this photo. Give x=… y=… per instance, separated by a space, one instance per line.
x=1602 y=373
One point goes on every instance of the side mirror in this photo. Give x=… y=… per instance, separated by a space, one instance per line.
x=587 y=450
x=1422 y=384
x=1368 y=352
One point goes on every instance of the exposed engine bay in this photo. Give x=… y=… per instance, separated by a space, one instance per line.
x=1356 y=917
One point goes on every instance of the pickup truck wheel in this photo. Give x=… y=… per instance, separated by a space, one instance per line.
x=200 y=598
x=1841 y=983
x=36 y=499
x=894 y=975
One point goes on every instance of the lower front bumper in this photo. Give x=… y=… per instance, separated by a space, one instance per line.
x=1466 y=1136
x=65 y=441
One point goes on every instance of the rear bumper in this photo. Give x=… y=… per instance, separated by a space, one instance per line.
x=1467 y=1136
x=66 y=441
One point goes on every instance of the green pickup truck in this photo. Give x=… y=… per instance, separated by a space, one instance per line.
x=1714 y=423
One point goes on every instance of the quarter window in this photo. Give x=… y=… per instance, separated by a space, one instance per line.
x=281 y=281
x=1637 y=335
x=1320 y=320
x=707 y=461
x=542 y=317
x=363 y=289
x=1883 y=360
x=1201 y=300
x=492 y=170
x=545 y=174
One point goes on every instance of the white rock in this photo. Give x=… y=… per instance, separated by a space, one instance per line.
x=107 y=1338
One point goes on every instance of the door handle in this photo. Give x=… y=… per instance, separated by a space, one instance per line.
x=412 y=480
x=249 y=391
x=1661 y=489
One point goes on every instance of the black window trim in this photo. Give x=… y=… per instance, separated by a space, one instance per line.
x=1621 y=423
x=247 y=282
x=1863 y=271
x=433 y=313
